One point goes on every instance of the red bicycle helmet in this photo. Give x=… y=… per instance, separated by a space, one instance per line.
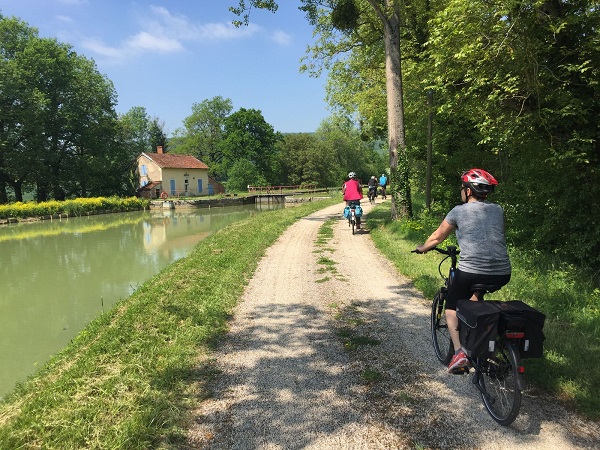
x=479 y=181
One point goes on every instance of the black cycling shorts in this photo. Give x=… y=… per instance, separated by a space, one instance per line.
x=460 y=288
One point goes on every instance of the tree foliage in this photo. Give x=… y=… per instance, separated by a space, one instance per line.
x=58 y=124
x=249 y=137
x=517 y=91
x=203 y=132
x=380 y=20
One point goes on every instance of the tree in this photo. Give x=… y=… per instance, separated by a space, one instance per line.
x=204 y=131
x=158 y=136
x=135 y=130
x=244 y=173
x=518 y=91
x=19 y=106
x=248 y=136
x=345 y=15
x=58 y=126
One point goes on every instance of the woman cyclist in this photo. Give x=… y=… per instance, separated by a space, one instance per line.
x=352 y=191
x=479 y=227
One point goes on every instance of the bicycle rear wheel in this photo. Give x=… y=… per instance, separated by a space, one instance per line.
x=440 y=336
x=499 y=382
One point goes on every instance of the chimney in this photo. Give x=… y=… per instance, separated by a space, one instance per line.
x=159 y=149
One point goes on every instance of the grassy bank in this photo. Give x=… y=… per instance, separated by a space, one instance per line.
x=130 y=378
x=76 y=207
x=571 y=365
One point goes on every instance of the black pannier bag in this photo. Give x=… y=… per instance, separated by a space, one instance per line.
x=478 y=326
x=518 y=316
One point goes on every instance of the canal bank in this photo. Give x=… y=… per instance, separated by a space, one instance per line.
x=169 y=203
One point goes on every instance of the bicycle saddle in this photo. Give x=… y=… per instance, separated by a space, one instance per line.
x=485 y=287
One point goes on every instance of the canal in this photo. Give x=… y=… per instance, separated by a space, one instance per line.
x=57 y=276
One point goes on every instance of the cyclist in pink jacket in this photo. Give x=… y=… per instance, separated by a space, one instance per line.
x=352 y=191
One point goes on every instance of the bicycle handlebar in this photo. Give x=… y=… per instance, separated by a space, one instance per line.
x=450 y=250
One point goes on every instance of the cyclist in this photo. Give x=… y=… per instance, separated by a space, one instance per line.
x=352 y=191
x=372 y=188
x=479 y=227
x=383 y=184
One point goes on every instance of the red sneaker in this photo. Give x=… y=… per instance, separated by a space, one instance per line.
x=458 y=360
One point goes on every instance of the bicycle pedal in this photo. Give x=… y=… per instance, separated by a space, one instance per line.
x=460 y=371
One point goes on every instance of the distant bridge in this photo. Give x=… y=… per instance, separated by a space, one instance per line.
x=285 y=190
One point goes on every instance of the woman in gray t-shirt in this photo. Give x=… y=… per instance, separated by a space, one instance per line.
x=479 y=227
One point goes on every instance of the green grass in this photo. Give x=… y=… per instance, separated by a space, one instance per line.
x=370 y=375
x=131 y=378
x=570 y=368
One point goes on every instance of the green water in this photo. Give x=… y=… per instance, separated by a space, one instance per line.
x=56 y=276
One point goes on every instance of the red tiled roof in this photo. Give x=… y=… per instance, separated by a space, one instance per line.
x=167 y=160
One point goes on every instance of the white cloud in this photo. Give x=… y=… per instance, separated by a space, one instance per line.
x=153 y=42
x=65 y=19
x=102 y=49
x=282 y=38
x=163 y=32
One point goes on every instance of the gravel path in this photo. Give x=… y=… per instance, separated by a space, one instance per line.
x=329 y=349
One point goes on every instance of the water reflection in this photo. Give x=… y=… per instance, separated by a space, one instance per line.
x=56 y=276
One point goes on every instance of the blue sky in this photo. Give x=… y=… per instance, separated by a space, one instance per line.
x=167 y=55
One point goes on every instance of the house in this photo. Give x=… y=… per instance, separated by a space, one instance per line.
x=168 y=175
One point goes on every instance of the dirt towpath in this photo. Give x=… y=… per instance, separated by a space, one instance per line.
x=330 y=349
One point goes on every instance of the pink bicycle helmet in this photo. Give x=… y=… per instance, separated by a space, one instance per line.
x=479 y=181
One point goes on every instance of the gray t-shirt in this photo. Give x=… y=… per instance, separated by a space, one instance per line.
x=480 y=235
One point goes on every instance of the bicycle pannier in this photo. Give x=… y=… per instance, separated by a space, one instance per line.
x=478 y=326
x=518 y=316
x=346 y=212
x=359 y=211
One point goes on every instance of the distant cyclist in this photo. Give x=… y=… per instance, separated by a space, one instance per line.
x=372 y=189
x=383 y=183
x=352 y=191
x=479 y=227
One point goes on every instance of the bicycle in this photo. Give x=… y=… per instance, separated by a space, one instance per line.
x=499 y=374
x=350 y=213
x=372 y=194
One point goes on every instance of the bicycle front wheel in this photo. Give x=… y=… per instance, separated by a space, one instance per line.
x=442 y=343
x=499 y=383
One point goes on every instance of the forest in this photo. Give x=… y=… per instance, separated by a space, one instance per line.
x=509 y=86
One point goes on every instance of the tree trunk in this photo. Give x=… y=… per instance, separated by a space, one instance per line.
x=399 y=186
x=18 y=188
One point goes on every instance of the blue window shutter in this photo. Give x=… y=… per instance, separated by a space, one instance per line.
x=199 y=185
x=144 y=169
x=172 y=183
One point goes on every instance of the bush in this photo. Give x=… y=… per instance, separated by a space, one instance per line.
x=76 y=207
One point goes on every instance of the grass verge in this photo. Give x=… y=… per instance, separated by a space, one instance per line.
x=570 y=368
x=130 y=378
